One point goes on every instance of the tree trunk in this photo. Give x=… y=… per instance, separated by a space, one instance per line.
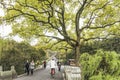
x=77 y=55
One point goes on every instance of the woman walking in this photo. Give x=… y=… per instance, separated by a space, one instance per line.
x=32 y=66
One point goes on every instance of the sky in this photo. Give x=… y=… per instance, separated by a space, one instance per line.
x=5 y=30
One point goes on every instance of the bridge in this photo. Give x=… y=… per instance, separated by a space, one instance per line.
x=42 y=74
x=66 y=73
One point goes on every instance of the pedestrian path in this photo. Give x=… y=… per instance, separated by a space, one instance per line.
x=42 y=74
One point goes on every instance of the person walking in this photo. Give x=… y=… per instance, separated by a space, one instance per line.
x=27 y=65
x=59 y=65
x=32 y=66
x=44 y=64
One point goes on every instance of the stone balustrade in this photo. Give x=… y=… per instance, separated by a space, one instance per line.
x=72 y=73
x=7 y=75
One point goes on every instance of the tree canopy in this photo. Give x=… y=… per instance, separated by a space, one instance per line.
x=72 y=22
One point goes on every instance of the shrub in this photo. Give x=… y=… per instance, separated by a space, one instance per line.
x=104 y=65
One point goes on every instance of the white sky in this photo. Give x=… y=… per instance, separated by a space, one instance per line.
x=5 y=30
x=1 y=12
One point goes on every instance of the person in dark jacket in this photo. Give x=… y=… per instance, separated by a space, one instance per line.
x=27 y=65
x=44 y=64
x=59 y=65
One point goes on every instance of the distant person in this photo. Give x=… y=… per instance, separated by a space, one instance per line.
x=59 y=65
x=44 y=63
x=32 y=66
x=27 y=67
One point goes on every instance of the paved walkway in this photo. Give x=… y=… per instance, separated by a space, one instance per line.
x=42 y=74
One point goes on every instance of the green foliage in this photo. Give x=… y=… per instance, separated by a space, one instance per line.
x=104 y=65
x=111 y=44
x=76 y=21
x=13 y=53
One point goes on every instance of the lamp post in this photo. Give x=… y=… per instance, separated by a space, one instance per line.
x=0 y=53
x=66 y=53
x=1 y=50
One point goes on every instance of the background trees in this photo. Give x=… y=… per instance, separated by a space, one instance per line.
x=13 y=53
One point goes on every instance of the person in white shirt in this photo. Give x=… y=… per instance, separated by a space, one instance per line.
x=32 y=66
x=53 y=66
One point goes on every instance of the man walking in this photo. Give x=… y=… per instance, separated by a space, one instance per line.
x=27 y=65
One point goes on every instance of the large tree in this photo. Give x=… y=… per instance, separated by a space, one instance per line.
x=75 y=21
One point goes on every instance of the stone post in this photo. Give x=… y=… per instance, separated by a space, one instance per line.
x=1 y=72
x=14 y=74
x=1 y=69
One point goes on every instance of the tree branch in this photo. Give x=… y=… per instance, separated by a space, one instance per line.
x=106 y=25
x=100 y=38
x=92 y=17
x=28 y=14
x=31 y=7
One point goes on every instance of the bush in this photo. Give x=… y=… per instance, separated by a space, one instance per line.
x=104 y=65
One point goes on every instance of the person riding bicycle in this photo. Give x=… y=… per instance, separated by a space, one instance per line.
x=53 y=66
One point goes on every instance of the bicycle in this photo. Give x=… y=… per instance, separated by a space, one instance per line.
x=52 y=72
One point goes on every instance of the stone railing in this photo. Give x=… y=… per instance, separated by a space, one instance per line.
x=8 y=75
x=72 y=73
